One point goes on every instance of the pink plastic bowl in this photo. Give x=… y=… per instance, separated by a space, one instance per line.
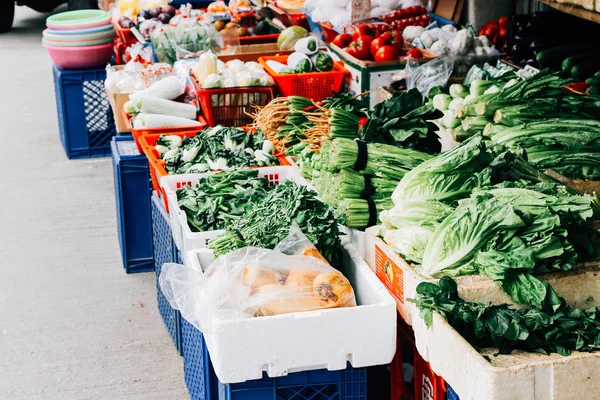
x=81 y=57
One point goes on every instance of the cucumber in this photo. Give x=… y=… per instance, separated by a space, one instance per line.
x=597 y=73
x=585 y=70
x=593 y=81
x=554 y=56
x=594 y=90
x=569 y=62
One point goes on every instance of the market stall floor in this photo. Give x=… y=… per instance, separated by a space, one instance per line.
x=73 y=325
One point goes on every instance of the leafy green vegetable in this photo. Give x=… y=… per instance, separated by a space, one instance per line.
x=450 y=175
x=469 y=228
x=268 y=221
x=218 y=148
x=220 y=198
x=403 y=120
x=559 y=329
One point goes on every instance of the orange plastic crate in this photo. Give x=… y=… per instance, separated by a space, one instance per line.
x=157 y=166
x=312 y=85
x=229 y=106
x=425 y=384
x=138 y=133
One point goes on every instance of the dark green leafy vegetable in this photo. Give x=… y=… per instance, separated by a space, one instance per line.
x=557 y=328
x=268 y=221
x=403 y=120
x=219 y=148
x=220 y=198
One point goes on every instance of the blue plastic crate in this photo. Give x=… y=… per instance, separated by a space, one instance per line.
x=202 y=383
x=85 y=119
x=132 y=200
x=164 y=253
x=197 y=369
x=451 y=394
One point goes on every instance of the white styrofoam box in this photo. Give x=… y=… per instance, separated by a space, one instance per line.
x=184 y=238
x=401 y=280
x=365 y=335
x=356 y=237
x=517 y=376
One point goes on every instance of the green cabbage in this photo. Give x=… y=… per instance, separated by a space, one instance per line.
x=288 y=38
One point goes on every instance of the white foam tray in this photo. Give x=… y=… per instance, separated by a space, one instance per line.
x=365 y=335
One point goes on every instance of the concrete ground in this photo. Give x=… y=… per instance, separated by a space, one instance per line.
x=73 y=325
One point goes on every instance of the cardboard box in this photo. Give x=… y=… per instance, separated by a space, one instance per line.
x=251 y=52
x=366 y=76
x=117 y=100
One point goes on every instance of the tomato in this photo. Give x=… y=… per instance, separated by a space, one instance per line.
x=366 y=39
x=414 y=53
x=395 y=39
x=386 y=53
x=383 y=40
x=359 y=49
x=342 y=40
x=363 y=30
x=410 y=21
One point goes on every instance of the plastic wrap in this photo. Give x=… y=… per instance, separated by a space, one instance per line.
x=254 y=282
x=433 y=73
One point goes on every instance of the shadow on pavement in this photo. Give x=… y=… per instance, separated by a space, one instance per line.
x=29 y=23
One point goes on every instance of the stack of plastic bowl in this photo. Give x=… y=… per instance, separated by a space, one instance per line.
x=79 y=39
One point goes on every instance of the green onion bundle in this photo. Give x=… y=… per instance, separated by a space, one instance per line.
x=355 y=213
x=334 y=187
x=382 y=160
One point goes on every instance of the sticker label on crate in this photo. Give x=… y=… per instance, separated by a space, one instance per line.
x=127 y=148
x=390 y=274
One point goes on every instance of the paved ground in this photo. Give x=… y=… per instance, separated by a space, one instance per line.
x=69 y=324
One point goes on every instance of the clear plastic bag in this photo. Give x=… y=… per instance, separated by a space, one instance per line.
x=255 y=282
x=425 y=76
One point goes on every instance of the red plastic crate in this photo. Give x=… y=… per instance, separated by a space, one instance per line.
x=157 y=166
x=425 y=384
x=312 y=85
x=230 y=106
x=328 y=33
x=138 y=133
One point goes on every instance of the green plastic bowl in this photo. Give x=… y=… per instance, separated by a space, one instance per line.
x=77 y=18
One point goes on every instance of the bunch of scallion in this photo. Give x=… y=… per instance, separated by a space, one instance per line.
x=382 y=160
x=558 y=129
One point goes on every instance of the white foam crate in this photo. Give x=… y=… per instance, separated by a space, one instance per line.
x=520 y=375
x=184 y=238
x=365 y=335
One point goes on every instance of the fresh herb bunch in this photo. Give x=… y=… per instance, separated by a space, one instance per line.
x=559 y=329
x=268 y=221
x=220 y=198
x=217 y=148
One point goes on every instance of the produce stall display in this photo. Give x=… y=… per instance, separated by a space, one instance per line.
x=463 y=206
